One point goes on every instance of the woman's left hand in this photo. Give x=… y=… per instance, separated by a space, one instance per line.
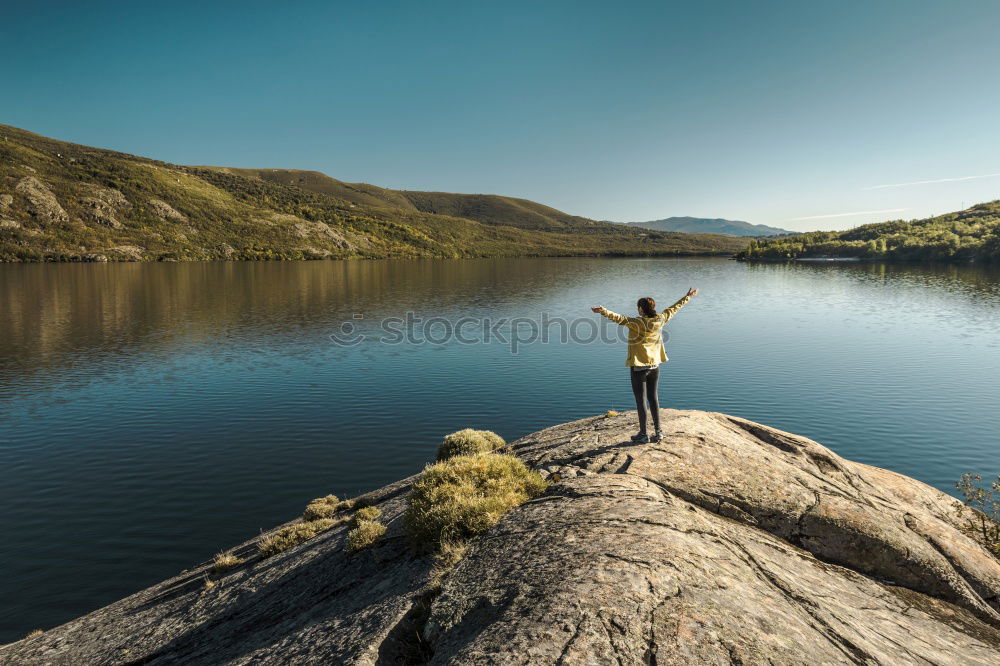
x=597 y=308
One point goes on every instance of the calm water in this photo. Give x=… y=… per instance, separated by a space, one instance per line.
x=151 y=415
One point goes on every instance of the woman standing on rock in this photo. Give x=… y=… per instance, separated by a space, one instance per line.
x=645 y=353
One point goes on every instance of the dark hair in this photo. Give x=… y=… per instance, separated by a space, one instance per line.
x=647 y=306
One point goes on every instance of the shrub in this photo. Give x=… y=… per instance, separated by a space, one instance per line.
x=225 y=562
x=367 y=514
x=364 y=535
x=469 y=442
x=466 y=495
x=611 y=412
x=36 y=632
x=980 y=515
x=293 y=535
x=322 y=507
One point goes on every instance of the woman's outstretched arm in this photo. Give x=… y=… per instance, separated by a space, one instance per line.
x=672 y=310
x=613 y=316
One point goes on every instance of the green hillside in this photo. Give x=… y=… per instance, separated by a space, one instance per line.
x=314 y=181
x=497 y=210
x=65 y=202
x=972 y=234
x=486 y=208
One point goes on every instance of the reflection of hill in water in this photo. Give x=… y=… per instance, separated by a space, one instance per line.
x=54 y=315
x=969 y=279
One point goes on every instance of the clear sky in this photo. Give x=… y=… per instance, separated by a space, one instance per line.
x=771 y=112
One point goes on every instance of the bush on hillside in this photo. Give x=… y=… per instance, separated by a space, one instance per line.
x=323 y=507
x=365 y=534
x=469 y=442
x=293 y=535
x=466 y=495
x=980 y=514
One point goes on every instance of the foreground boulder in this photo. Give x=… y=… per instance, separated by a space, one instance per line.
x=726 y=543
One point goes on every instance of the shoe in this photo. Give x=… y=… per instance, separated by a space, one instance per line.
x=657 y=436
x=641 y=438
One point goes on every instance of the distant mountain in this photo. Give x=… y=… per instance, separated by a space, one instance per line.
x=65 y=202
x=704 y=225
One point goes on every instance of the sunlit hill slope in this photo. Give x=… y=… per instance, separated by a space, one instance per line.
x=66 y=202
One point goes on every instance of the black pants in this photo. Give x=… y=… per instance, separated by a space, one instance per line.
x=644 y=389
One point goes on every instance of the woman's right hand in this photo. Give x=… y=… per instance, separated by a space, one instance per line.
x=692 y=291
x=597 y=308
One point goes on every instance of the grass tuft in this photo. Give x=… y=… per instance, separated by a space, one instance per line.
x=449 y=554
x=209 y=584
x=367 y=514
x=469 y=442
x=364 y=535
x=36 y=632
x=293 y=535
x=466 y=495
x=611 y=413
x=322 y=507
x=225 y=562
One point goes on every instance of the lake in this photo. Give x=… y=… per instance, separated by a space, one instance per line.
x=152 y=415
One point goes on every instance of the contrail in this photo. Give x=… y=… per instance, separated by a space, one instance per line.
x=860 y=212
x=928 y=182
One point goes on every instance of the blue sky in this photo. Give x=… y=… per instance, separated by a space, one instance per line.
x=771 y=112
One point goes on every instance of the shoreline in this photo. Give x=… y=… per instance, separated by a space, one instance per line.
x=97 y=258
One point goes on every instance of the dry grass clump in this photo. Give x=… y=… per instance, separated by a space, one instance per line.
x=293 y=535
x=209 y=584
x=449 y=554
x=225 y=562
x=323 y=507
x=469 y=442
x=611 y=413
x=466 y=495
x=364 y=535
x=36 y=632
x=367 y=514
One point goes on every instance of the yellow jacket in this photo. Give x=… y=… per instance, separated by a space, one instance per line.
x=645 y=344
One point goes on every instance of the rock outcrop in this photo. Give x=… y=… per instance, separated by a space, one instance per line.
x=165 y=211
x=126 y=253
x=104 y=205
x=726 y=543
x=42 y=203
x=320 y=230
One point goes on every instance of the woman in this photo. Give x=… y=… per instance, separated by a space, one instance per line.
x=645 y=353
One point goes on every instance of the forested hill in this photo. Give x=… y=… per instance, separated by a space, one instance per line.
x=66 y=202
x=972 y=234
